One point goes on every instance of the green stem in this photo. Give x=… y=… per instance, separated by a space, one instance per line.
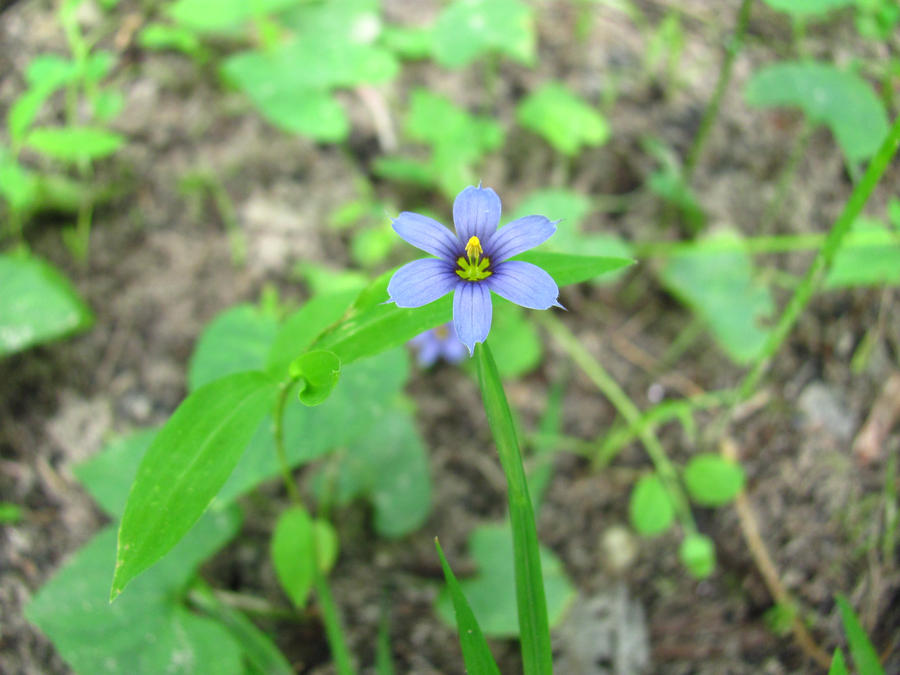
x=534 y=626
x=283 y=463
x=334 y=631
x=712 y=109
x=823 y=260
x=620 y=400
x=663 y=412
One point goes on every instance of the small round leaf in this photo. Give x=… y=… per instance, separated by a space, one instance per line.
x=650 y=508
x=713 y=480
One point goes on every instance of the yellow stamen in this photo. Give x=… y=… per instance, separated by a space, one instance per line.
x=473 y=249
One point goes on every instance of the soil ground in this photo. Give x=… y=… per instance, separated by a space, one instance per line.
x=160 y=268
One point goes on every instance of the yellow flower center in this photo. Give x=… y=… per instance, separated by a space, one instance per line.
x=473 y=267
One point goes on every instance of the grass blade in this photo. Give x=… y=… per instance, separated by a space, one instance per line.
x=476 y=653
x=864 y=655
x=534 y=628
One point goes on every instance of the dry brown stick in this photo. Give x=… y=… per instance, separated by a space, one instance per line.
x=760 y=554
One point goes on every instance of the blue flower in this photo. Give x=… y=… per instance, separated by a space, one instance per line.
x=473 y=262
x=438 y=343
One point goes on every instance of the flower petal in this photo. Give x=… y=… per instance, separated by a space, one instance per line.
x=476 y=212
x=427 y=234
x=518 y=236
x=421 y=281
x=472 y=312
x=429 y=353
x=524 y=284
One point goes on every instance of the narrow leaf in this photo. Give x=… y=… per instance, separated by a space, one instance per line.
x=476 y=653
x=71 y=144
x=534 y=628
x=864 y=655
x=186 y=465
x=838 y=665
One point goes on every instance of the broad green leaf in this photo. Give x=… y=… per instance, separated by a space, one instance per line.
x=296 y=98
x=308 y=112
x=317 y=372
x=698 y=555
x=298 y=331
x=372 y=326
x=215 y=16
x=37 y=304
x=72 y=144
x=807 y=7
x=148 y=630
x=458 y=140
x=492 y=593
x=293 y=553
x=563 y=119
x=838 y=665
x=367 y=391
x=185 y=467
x=650 y=507
x=237 y=340
x=390 y=467
x=861 y=649
x=843 y=101
x=468 y=29
x=869 y=255
x=436 y=120
x=338 y=21
x=108 y=475
x=476 y=652
x=712 y=480
x=719 y=284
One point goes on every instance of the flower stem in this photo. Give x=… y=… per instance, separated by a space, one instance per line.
x=534 y=627
x=334 y=631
